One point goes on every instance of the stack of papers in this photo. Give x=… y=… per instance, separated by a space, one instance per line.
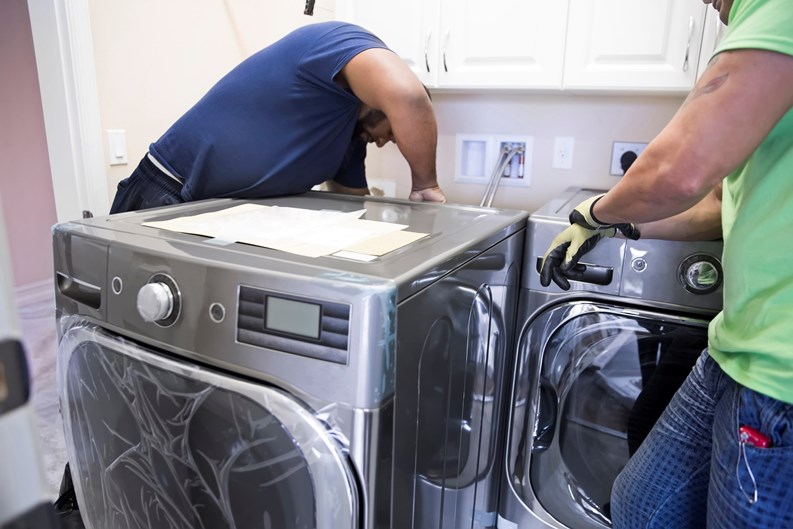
x=300 y=231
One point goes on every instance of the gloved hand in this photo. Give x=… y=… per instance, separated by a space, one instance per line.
x=430 y=194
x=583 y=235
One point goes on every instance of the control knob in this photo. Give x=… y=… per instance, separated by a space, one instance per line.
x=158 y=301
x=700 y=274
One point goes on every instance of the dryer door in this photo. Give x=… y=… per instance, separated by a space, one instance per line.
x=153 y=442
x=591 y=380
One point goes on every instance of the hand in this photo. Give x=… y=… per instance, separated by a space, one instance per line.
x=565 y=251
x=568 y=247
x=430 y=194
x=585 y=217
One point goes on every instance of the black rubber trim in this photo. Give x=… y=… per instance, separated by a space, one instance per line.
x=14 y=376
x=41 y=516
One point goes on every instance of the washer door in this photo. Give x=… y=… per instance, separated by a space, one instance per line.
x=158 y=443
x=591 y=381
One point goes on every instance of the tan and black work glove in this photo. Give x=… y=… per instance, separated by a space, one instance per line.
x=569 y=246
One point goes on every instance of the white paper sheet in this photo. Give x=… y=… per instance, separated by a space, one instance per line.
x=300 y=231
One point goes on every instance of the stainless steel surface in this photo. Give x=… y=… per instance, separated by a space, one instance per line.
x=411 y=380
x=576 y=375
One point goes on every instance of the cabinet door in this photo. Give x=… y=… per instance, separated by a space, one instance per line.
x=633 y=44
x=408 y=27
x=501 y=43
x=714 y=29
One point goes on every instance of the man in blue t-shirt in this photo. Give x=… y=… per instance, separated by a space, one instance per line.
x=296 y=114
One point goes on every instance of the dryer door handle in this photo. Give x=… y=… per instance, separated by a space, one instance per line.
x=587 y=273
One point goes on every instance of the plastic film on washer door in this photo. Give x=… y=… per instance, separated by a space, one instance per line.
x=598 y=377
x=153 y=442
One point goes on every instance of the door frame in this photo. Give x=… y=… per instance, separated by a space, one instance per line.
x=65 y=62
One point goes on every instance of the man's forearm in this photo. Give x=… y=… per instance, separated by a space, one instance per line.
x=701 y=222
x=724 y=119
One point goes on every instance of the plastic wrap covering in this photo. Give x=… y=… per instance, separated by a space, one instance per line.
x=606 y=375
x=158 y=443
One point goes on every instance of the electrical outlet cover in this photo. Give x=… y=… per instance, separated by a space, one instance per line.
x=618 y=150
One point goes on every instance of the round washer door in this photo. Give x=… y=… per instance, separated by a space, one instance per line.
x=153 y=442
x=591 y=379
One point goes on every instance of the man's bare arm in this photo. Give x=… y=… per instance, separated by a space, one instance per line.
x=701 y=222
x=734 y=106
x=380 y=79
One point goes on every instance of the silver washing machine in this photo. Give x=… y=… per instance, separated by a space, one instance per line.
x=596 y=365
x=274 y=390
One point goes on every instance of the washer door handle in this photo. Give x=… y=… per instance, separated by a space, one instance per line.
x=587 y=273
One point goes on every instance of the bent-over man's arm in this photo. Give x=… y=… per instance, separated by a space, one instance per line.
x=381 y=80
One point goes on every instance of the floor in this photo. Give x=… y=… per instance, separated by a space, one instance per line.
x=37 y=322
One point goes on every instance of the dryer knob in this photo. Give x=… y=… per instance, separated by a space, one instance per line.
x=700 y=274
x=155 y=301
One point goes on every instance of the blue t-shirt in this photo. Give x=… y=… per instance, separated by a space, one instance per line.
x=276 y=124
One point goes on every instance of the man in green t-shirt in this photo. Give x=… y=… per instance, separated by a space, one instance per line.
x=721 y=455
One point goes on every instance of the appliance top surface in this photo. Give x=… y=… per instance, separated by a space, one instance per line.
x=560 y=207
x=457 y=233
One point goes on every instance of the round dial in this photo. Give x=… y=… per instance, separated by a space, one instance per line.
x=700 y=274
x=159 y=300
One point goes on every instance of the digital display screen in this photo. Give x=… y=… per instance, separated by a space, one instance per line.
x=293 y=317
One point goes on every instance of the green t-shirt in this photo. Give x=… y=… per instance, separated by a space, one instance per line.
x=752 y=338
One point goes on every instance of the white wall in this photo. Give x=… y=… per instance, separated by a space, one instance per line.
x=154 y=59
x=594 y=120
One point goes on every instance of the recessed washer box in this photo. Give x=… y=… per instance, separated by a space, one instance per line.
x=476 y=157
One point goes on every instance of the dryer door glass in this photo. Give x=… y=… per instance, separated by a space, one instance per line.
x=155 y=442
x=605 y=376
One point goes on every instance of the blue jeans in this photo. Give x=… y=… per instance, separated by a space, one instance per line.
x=692 y=471
x=147 y=187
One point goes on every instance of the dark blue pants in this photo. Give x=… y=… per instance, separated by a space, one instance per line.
x=147 y=187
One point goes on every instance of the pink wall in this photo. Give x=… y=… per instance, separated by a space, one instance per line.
x=25 y=179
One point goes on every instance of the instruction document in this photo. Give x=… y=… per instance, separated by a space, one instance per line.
x=306 y=232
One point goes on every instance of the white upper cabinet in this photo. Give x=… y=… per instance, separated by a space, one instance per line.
x=605 y=45
x=409 y=28
x=633 y=44
x=470 y=43
x=501 y=43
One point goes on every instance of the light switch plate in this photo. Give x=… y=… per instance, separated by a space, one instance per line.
x=117 y=146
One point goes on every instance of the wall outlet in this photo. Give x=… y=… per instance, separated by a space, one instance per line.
x=623 y=154
x=563 y=152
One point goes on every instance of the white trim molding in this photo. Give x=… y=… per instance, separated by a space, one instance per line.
x=67 y=78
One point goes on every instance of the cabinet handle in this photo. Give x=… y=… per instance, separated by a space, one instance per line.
x=445 y=45
x=688 y=44
x=426 y=51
